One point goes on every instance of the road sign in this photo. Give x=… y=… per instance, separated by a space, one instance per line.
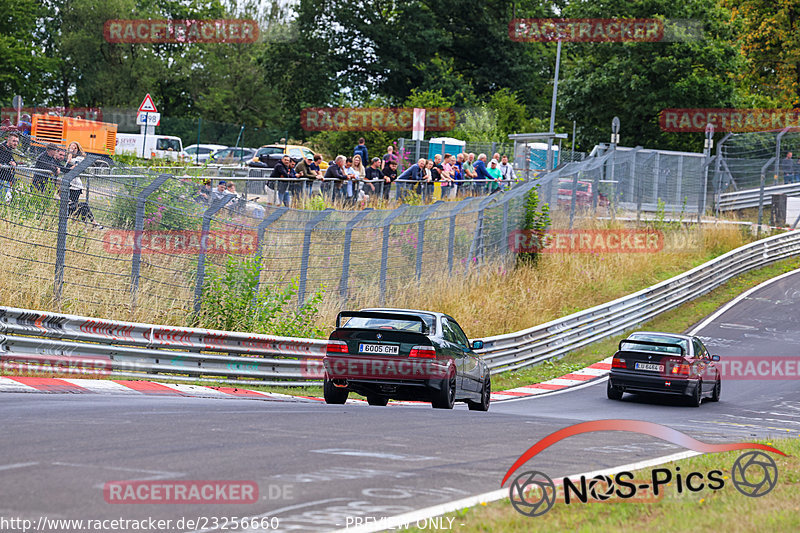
x=147 y=105
x=148 y=119
x=16 y=103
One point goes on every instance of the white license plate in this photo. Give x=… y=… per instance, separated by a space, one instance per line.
x=384 y=349
x=649 y=366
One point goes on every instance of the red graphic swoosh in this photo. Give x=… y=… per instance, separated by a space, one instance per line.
x=635 y=426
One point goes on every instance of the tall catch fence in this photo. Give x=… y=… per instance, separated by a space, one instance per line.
x=123 y=237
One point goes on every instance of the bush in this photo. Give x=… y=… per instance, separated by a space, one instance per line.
x=233 y=301
x=536 y=220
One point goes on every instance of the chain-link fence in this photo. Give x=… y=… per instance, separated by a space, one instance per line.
x=124 y=237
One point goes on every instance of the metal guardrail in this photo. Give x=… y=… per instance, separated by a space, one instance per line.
x=31 y=339
x=748 y=198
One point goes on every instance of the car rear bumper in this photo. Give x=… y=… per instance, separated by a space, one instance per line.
x=638 y=382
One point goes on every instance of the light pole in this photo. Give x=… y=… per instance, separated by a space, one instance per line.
x=553 y=109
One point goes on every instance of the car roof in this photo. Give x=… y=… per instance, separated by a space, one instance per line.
x=663 y=333
x=399 y=310
x=285 y=146
x=212 y=146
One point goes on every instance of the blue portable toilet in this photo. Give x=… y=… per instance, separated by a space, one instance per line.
x=451 y=146
x=538 y=157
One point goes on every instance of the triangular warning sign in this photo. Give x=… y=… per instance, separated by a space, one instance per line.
x=147 y=105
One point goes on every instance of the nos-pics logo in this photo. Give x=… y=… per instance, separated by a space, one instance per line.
x=533 y=493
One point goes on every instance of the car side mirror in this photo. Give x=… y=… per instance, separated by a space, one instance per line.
x=477 y=345
x=715 y=358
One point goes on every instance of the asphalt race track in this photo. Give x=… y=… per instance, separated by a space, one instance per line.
x=317 y=466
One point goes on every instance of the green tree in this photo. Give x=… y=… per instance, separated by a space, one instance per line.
x=22 y=66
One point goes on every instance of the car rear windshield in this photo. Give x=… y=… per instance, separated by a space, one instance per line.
x=567 y=184
x=628 y=345
x=390 y=323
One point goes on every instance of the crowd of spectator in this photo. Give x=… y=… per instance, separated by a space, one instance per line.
x=358 y=179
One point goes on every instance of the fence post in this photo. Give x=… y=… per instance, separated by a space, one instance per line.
x=418 y=150
x=573 y=200
x=310 y=225
x=451 y=242
x=262 y=228
x=761 y=195
x=401 y=148
x=63 y=217
x=718 y=174
x=778 y=154
x=385 y=248
x=348 y=234
x=138 y=227
x=444 y=147
x=477 y=239
x=504 y=244
x=421 y=234
x=201 y=258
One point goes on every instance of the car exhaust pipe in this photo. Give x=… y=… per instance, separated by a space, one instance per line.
x=341 y=383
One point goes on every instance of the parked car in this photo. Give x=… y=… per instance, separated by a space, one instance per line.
x=268 y=155
x=404 y=354
x=664 y=363
x=583 y=197
x=232 y=156
x=199 y=153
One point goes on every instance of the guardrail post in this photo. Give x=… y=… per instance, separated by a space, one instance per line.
x=138 y=228
x=421 y=234
x=348 y=236
x=504 y=244
x=310 y=225
x=262 y=228
x=385 y=248
x=201 y=258
x=63 y=218
x=761 y=195
x=778 y=153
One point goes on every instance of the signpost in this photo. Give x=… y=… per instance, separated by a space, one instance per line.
x=16 y=103
x=147 y=117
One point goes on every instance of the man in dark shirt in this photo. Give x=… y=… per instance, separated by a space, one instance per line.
x=335 y=177
x=281 y=184
x=48 y=166
x=7 y=166
x=361 y=150
x=372 y=177
x=389 y=175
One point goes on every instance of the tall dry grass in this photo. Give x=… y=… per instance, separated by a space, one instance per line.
x=499 y=298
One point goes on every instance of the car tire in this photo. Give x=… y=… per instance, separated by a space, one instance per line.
x=334 y=395
x=717 y=390
x=613 y=393
x=445 y=397
x=697 y=398
x=380 y=401
x=486 y=397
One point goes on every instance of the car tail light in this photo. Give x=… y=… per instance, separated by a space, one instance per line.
x=336 y=347
x=681 y=370
x=618 y=362
x=424 y=352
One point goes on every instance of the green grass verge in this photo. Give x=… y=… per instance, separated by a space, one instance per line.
x=707 y=510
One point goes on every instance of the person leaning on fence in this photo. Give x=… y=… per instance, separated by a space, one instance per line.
x=334 y=177
x=482 y=174
x=469 y=172
x=494 y=171
x=219 y=193
x=304 y=172
x=8 y=166
x=389 y=175
x=351 y=186
x=447 y=172
x=389 y=156
x=411 y=176
x=203 y=195
x=359 y=167
x=75 y=155
x=509 y=176
x=281 y=172
x=78 y=209
x=372 y=179
x=48 y=167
